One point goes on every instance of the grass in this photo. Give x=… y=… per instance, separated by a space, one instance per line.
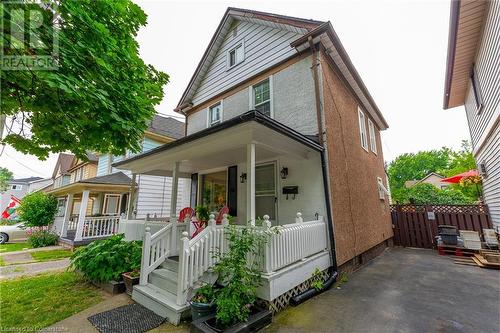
x=10 y=247
x=32 y=303
x=51 y=255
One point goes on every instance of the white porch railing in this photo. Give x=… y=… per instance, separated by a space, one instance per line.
x=295 y=242
x=156 y=248
x=197 y=255
x=100 y=226
x=73 y=222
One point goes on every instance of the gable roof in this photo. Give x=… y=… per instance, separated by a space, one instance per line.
x=166 y=126
x=320 y=32
x=429 y=175
x=64 y=162
x=467 y=18
x=117 y=178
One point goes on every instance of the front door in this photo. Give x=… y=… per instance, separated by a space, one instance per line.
x=265 y=191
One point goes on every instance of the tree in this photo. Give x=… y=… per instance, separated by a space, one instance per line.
x=412 y=166
x=102 y=95
x=37 y=209
x=5 y=176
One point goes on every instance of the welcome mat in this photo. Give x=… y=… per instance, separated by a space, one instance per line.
x=132 y=318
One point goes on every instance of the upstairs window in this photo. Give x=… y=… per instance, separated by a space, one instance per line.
x=362 y=129
x=16 y=187
x=215 y=114
x=236 y=55
x=373 y=137
x=262 y=97
x=477 y=91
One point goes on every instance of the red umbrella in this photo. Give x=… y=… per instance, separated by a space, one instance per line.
x=457 y=178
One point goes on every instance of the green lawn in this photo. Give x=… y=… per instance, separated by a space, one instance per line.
x=32 y=303
x=51 y=255
x=9 y=247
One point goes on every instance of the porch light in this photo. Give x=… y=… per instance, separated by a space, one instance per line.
x=284 y=173
x=243 y=178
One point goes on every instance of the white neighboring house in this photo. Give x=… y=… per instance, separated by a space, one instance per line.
x=20 y=187
x=473 y=80
x=92 y=195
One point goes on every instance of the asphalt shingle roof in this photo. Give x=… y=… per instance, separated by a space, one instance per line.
x=167 y=126
x=117 y=178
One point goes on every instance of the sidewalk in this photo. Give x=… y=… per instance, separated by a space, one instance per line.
x=13 y=271
x=46 y=248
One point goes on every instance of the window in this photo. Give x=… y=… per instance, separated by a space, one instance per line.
x=262 y=97
x=61 y=205
x=236 y=55
x=215 y=114
x=477 y=91
x=382 y=191
x=78 y=174
x=214 y=190
x=16 y=187
x=111 y=204
x=362 y=129
x=373 y=137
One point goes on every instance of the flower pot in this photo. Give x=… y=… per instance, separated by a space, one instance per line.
x=130 y=282
x=199 y=310
x=258 y=319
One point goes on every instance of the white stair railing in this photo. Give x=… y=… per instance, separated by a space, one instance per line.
x=197 y=255
x=155 y=249
x=101 y=226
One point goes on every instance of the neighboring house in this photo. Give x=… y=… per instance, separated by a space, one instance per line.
x=432 y=178
x=22 y=186
x=104 y=191
x=473 y=80
x=309 y=150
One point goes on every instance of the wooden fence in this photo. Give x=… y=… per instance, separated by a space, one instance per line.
x=417 y=225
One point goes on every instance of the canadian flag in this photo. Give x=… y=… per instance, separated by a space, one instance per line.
x=10 y=210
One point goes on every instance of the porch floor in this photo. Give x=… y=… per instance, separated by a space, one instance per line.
x=69 y=240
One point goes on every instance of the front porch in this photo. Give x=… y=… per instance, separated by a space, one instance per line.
x=91 y=209
x=267 y=175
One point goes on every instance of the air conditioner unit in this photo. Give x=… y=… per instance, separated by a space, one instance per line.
x=482 y=170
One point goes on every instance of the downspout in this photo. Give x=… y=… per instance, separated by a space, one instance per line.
x=332 y=270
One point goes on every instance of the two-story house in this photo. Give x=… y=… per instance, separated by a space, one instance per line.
x=280 y=127
x=20 y=187
x=473 y=80
x=92 y=195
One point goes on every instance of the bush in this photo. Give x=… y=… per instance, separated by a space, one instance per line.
x=424 y=193
x=41 y=238
x=37 y=209
x=106 y=260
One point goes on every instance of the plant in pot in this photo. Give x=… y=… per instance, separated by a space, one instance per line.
x=203 y=302
x=202 y=214
x=132 y=278
x=239 y=277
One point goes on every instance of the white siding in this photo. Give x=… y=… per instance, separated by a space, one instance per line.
x=488 y=73
x=148 y=144
x=154 y=195
x=103 y=165
x=264 y=47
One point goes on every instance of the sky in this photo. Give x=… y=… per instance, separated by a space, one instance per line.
x=398 y=47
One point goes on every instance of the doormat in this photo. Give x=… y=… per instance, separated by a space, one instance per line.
x=132 y=318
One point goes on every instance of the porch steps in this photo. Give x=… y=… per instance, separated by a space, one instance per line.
x=160 y=294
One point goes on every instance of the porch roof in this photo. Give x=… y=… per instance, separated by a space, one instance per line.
x=223 y=144
x=114 y=183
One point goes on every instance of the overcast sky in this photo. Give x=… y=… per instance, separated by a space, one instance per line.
x=398 y=48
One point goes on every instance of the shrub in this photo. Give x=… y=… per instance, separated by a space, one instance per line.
x=37 y=209
x=239 y=276
x=41 y=237
x=424 y=193
x=106 y=260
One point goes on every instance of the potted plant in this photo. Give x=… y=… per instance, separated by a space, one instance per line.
x=203 y=302
x=202 y=214
x=131 y=279
x=236 y=300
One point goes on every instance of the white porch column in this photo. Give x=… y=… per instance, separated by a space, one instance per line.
x=173 y=205
x=131 y=198
x=81 y=216
x=251 y=183
x=67 y=215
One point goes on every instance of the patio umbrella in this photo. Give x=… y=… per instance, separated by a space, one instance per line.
x=457 y=178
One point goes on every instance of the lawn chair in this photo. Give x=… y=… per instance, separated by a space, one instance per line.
x=220 y=216
x=186 y=213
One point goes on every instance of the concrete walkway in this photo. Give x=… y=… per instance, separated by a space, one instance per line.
x=14 y=271
x=403 y=290
x=46 y=248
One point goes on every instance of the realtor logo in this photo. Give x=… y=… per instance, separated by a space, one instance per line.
x=30 y=35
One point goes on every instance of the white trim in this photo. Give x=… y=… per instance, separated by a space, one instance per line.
x=105 y=203
x=373 y=136
x=362 y=129
x=221 y=115
x=238 y=44
x=251 y=96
